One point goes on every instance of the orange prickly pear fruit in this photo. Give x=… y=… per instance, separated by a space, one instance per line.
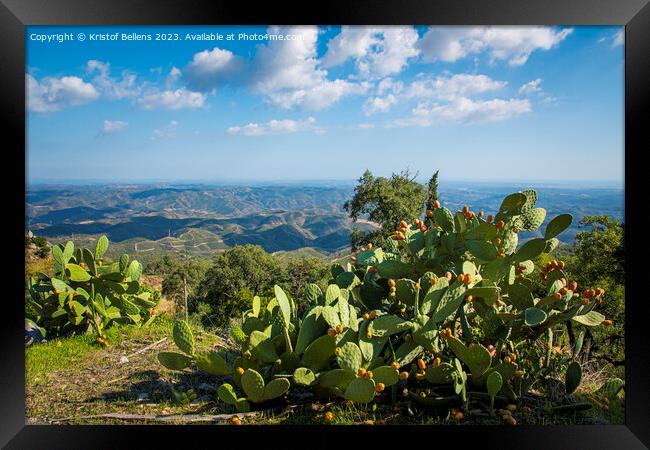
x=369 y=246
x=448 y=276
x=391 y=283
x=240 y=371
x=465 y=209
x=404 y=376
x=607 y=323
x=395 y=365
x=500 y=224
x=361 y=372
x=468 y=279
x=489 y=218
x=331 y=332
x=557 y=296
x=339 y=328
x=235 y=420
x=436 y=204
x=481 y=214
x=573 y=285
x=601 y=291
x=564 y=291
x=584 y=302
x=497 y=241
x=369 y=374
x=436 y=362
x=461 y=278
x=337 y=350
x=519 y=374
x=429 y=213
x=417 y=286
x=403 y=224
x=421 y=364
x=373 y=269
x=379 y=387
x=329 y=416
x=560 y=265
x=507 y=360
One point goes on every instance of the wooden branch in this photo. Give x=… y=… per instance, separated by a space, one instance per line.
x=142 y=350
x=614 y=362
x=186 y=418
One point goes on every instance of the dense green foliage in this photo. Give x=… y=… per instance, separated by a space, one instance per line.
x=598 y=259
x=88 y=293
x=385 y=201
x=458 y=307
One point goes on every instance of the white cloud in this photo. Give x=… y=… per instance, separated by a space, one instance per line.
x=111 y=87
x=464 y=110
x=452 y=86
x=166 y=132
x=113 y=126
x=288 y=73
x=172 y=99
x=389 y=85
x=53 y=94
x=619 y=38
x=445 y=87
x=376 y=105
x=209 y=67
x=531 y=87
x=507 y=43
x=274 y=127
x=173 y=77
x=366 y=126
x=377 y=51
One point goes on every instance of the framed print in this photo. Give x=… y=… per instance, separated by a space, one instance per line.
x=358 y=219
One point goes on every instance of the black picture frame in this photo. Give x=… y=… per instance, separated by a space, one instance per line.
x=15 y=15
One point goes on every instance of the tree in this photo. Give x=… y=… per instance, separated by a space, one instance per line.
x=598 y=260
x=385 y=201
x=301 y=271
x=241 y=269
x=183 y=278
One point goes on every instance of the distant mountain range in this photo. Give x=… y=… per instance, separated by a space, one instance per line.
x=203 y=219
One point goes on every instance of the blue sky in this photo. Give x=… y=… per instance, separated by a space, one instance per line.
x=477 y=103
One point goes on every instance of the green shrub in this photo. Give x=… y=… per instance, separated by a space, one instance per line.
x=87 y=295
x=437 y=310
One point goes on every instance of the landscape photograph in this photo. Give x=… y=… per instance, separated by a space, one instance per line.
x=325 y=225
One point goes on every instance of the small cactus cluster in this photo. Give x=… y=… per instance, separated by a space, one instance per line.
x=88 y=293
x=440 y=310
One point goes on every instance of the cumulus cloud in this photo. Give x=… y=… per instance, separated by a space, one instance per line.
x=166 y=132
x=173 y=77
x=619 y=38
x=113 y=88
x=209 y=67
x=503 y=43
x=464 y=110
x=274 y=127
x=452 y=86
x=376 y=105
x=444 y=87
x=172 y=99
x=531 y=87
x=113 y=126
x=53 y=94
x=287 y=72
x=377 y=51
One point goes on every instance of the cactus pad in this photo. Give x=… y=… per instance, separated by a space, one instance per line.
x=276 y=388
x=183 y=337
x=349 y=358
x=212 y=363
x=360 y=390
x=174 y=361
